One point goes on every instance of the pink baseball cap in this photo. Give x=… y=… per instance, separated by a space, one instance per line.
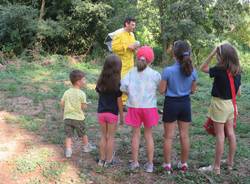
x=145 y=52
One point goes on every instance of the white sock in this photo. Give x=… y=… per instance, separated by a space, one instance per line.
x=68 y=149
x=166 y=165
x=184 y=164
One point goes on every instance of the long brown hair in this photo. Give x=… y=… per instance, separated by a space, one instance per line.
x=182 y=52
x=229 y=59
x=110 y=76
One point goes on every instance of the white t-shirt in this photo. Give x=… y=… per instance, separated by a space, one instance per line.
x=141 y=87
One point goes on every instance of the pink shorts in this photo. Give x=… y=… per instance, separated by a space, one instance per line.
x=136 y=116
x=107 y=117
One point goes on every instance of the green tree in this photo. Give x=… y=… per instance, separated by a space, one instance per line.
x=18 y=26
x=83 y=27
x=201 y=22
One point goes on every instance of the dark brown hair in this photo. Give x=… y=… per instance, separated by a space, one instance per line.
x=110 y=76
x=182 y=52
x=229 y=59
x=75 y=76
x=128 y=20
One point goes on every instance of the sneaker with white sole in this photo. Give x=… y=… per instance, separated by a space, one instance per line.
x=167 y=168
x=101 y=163
x=68 y=153
x=109 y=164
x=88 y=148
x=134 y=165
x=149 y=168
x=183 y=167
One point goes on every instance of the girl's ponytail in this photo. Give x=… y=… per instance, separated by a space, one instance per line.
x=186 y=65
x=182 y=53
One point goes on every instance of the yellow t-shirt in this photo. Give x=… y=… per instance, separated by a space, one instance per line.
x=73 y=99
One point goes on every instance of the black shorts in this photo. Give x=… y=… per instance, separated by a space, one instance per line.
x=177 y=108
x=70 y=125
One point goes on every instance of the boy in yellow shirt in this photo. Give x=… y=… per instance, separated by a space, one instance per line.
x=73 y=103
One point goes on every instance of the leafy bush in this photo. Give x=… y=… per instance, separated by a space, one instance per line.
x=52 y=36
x=77 y=31
x=18 y=26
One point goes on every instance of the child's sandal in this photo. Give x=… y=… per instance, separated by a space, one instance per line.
x=229 y=167
x=217 y=171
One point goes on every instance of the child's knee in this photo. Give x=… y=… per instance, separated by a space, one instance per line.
x=136 y=132
x=220 y=137
x=109 y=136
x=231 y=136
x=168 y=137
x=184 y=136
x=148 y=135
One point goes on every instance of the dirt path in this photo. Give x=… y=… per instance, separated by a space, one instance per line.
x=8 y=148
x=17 y=143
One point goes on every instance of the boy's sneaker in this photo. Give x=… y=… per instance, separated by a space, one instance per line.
x=88 y=148
x=149 y=168
x=101 y=163
x=183 y=167
x=133 y=165
x=68 y=153
x=110 y=163
x=167 y=168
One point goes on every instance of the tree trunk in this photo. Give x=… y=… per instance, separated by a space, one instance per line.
x=42 y=10
x=163 y=29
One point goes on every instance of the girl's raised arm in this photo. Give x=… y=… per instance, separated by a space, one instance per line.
x=205 y=66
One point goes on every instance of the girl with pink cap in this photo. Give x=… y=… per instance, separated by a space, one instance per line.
x=141 y=84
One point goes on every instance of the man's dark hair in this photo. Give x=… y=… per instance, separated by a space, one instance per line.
x=128 y=20
x=76 y=75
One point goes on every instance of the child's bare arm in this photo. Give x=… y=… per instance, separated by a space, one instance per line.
x=194 y=87
x=163 y=86
x=84 y=106
x=120 y=107
x=62 y=104
x=239 y=92
x=205 y=66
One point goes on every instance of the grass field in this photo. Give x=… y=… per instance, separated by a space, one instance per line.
x=31 y=92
